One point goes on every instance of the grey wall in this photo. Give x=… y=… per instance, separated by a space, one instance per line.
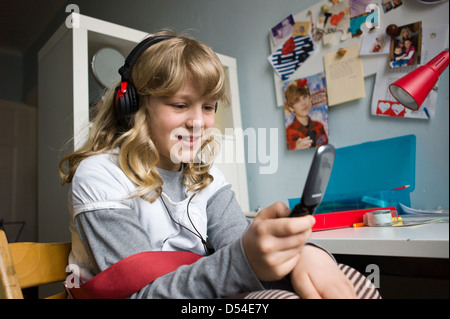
x=239 y=28
x=11 y=76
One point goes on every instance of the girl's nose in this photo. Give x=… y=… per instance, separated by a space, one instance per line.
x=195 y=118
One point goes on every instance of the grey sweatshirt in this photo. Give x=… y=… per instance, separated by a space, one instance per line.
x=110 y=235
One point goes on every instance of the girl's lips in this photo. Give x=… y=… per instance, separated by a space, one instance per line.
x=188 y=141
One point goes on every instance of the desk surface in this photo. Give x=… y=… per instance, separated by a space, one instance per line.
x=429 y=241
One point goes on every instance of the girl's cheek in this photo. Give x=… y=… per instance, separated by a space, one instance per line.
x=210 y=121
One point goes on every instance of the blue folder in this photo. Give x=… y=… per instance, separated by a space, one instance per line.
x=365 y=175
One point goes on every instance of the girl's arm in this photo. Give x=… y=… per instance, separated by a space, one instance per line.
x=111 y=235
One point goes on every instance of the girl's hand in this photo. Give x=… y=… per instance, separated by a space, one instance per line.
x=317 y=276
x=273 y=241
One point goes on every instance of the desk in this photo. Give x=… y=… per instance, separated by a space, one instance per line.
x=429 y=241
x=413 y=260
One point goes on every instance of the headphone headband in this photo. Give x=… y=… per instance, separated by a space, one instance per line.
x=125 y=70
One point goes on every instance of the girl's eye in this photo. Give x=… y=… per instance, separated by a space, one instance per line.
x=178 y=106
x=209 y=108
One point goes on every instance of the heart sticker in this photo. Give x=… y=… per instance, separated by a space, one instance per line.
x=288 y=47
x=336 y=18
x=397 y=108
x=383 y=106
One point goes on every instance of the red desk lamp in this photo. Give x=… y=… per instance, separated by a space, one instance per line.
x=412 y=89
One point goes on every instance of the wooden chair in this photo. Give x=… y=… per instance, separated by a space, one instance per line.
x=24 y=265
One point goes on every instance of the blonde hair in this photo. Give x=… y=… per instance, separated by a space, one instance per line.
x=159 y=71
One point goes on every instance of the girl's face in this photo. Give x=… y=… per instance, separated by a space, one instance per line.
x=301 y=105
x=177 y=124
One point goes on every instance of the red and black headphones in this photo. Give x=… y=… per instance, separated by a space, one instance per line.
x=127 y=99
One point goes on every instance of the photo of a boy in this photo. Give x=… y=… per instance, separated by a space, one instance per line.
x=398 y=59
x=303 y=132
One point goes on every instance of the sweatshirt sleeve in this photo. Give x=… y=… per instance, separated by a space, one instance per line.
x=226 y=221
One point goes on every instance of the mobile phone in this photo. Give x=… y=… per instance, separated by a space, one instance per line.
x=317 y=181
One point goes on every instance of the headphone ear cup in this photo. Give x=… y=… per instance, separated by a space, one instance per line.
x=127 y=99
x=134 y=99
x=126 y=103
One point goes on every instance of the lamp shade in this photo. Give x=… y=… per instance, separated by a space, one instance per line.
x=412 y=89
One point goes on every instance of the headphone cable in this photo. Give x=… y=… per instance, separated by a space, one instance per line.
x=196 y=233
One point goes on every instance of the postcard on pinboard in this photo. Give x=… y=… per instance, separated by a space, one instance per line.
x=293 y=53
x=375 y=43
x=344 y=74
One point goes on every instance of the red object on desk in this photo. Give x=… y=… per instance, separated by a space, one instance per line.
x=342 y=219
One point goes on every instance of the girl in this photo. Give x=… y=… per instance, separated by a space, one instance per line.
x=138 y=185
x=409 y=52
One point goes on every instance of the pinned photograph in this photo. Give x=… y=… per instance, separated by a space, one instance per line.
x=306 y=112
x=301 y=28
x=283 y=30
x=388 y=5
x=406 y=47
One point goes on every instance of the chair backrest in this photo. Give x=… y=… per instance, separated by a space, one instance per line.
x=24 y=265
